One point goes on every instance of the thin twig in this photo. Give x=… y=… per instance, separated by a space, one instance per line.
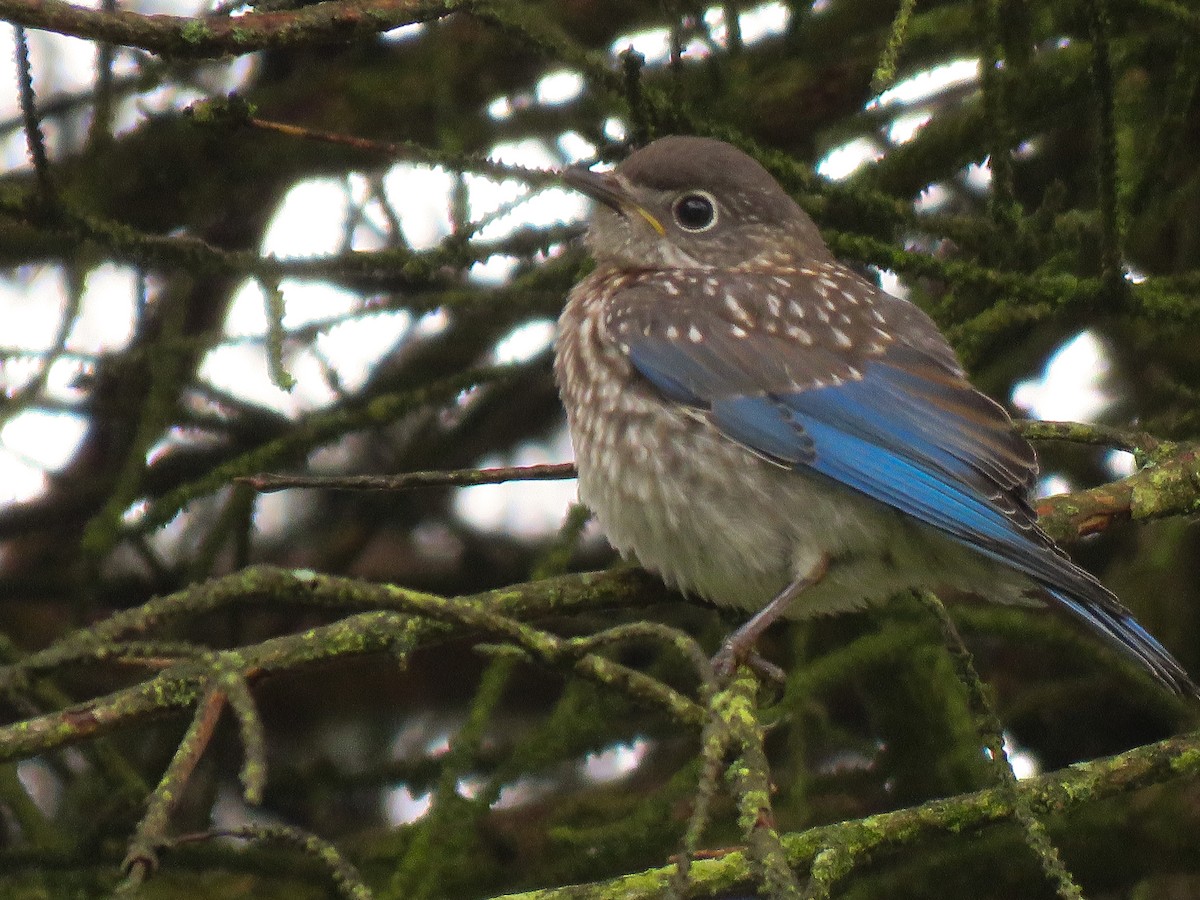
x=34 y=139
x=142 y=857
x=412 y=151
x=349 y=882
x=1108 y=186
x=192 y=37
x=1130 y=440
x=885 y=70
x=989 y=729
x=267 y=483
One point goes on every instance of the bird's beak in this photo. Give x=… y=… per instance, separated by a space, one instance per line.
x=606 y=188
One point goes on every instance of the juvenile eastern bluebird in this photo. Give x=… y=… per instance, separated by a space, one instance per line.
x=759 y=425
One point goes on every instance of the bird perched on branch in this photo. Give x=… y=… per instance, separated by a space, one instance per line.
x=760 y=425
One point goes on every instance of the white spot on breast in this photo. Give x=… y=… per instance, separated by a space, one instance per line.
x=823 y=316
x=694 y=334
x=737 y=310
x=710 y=287
x=843 y=340
x=851 y=297
x=878 y=316
x=800 y=334
x=796 y=309
x=738 y=332
x=774 y=305
x=670 y=288
x=782 y=282
x=672 y=333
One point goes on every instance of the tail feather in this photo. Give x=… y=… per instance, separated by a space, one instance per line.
x=1096 y=606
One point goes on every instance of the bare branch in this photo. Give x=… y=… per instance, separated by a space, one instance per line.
x=267 y=483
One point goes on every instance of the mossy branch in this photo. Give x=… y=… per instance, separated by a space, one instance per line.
x=1055 y=794
x=401 y=621
x=213 y=37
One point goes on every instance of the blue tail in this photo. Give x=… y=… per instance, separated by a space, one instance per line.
x=1103 y=612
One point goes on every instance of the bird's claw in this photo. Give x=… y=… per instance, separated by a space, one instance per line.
x=725 y=662
x=731 y=656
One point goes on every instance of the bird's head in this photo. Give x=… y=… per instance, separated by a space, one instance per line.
x=688 y=203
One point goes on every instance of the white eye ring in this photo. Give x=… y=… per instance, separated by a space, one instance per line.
x=695 y=211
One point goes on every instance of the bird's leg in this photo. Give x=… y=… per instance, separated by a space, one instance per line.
x=739 y=646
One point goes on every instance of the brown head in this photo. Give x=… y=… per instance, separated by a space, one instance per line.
x=690 y=202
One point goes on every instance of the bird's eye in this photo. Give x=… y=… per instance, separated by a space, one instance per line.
x=695 y=211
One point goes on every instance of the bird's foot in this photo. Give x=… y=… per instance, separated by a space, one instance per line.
x=726 y=660
x=730 y=657
x=737 y=652
x=739 y=646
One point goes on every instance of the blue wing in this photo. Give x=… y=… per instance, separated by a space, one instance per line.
x=881 y=435
x=894 y=420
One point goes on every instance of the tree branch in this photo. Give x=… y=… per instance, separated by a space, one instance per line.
x=188 y=37
x=1168 y=484
x=1052 y=794
x=267 y=483
x=401 y=621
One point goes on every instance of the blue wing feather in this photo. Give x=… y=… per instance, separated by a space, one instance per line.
x=904 y=484
x=763 y=424
x=864 y=434
x=1121 y=628
x=916 y=437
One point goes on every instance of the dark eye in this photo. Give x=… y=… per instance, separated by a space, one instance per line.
x=695 y=211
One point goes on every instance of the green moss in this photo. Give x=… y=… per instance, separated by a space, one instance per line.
x=1186 y=762
x=196 y=32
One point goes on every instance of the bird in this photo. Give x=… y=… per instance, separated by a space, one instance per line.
x=761 y=426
